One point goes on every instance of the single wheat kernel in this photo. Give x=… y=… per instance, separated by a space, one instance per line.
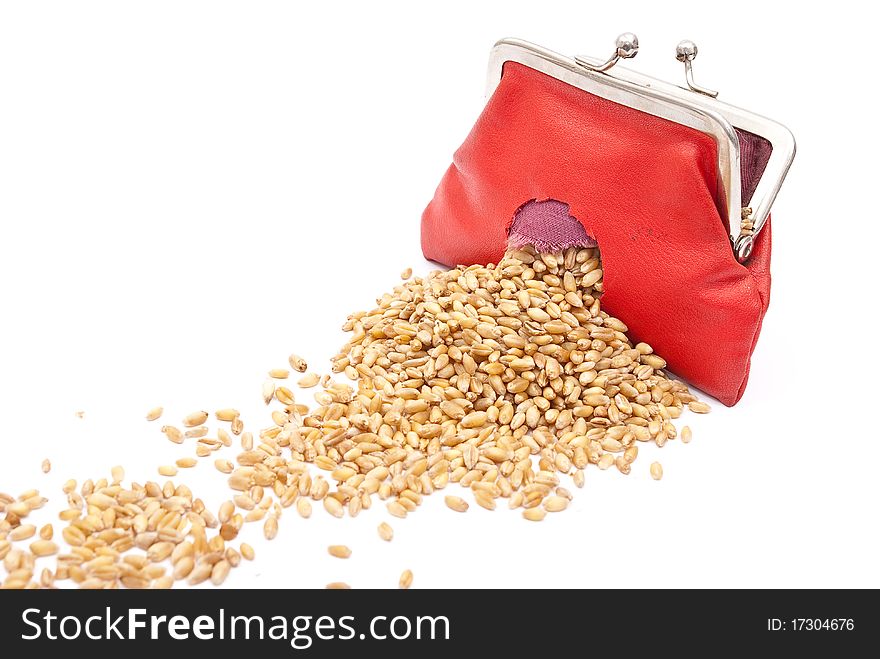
x=118 y=474
x=201 y=573
x=224 y=466
x=457 y=504
x=46 y=466
x=168 y=470
x=406 y=274
x=555 y=504
x=23 y=532
x=183 y=567
x=220 y=572
x=154 y=413
x=224 y=437
x=247 y=551
x=186 y=463
x=163 y=583
x=43 y=548
x=386 y=532
x=686 y=434
x=656 y=471
x=304 y=507
x=699 y=407
x=270 y=528
x=307 y=381
x=484 y=500
x=332 y=506
x=227 y=510
x=406 y=579
x=227 y=414
x=284 y=396
x=339 y=551
x=268 y=391
x=236 y=426
x=46 y=532
x=195 y=419
x=605 y=461
x=297 y=363
x=534 y=514
x=173 y=434
x=279 y=373
x=396 y=509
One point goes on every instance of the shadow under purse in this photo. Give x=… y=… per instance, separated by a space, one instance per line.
x=674 y=186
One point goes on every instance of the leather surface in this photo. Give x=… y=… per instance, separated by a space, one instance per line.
x=643 y=188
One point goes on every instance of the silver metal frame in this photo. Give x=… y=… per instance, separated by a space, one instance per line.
x=683 y=106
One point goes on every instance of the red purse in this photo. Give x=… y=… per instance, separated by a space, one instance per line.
x=657 y=175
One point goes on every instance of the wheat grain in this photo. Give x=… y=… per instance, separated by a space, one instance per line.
x=339 y=551
x=308 y=381
x=43 y=548
x=270 y=528
x=268 y=391
x=23 y=532
x=173 y=434
x=220 y=572
x=555 y=504
x=297 y=363
x=406 y=579
x=535 y=514
x=227 y=414
x=195 y=419
x=333 y=507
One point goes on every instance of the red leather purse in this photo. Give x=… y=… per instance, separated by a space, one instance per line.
x=657 y=175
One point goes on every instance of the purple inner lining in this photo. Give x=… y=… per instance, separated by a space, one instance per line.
x=548 y=226
x=754 y=154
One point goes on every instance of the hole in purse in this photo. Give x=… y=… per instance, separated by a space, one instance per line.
x=548 y=226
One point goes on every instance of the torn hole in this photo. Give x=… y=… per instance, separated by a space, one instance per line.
x=548 y=226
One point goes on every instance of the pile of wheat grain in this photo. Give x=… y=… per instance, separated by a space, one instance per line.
x=503 y=379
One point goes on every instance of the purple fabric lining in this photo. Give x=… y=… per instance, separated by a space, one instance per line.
x=754 y=154
x=549 y=227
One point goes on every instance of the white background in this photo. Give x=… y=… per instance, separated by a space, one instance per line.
x=189 y=191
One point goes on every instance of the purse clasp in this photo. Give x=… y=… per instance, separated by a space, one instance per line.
x=625 y=47
x=686 y=52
